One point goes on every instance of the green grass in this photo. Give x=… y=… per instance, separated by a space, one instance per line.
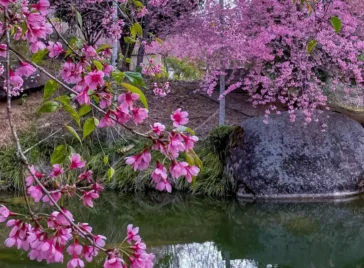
x=211 y=181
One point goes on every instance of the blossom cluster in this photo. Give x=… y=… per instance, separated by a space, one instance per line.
x=48 y=241
x=170 y=144
x=161 y=91
x=151 y=68
x=36 y=31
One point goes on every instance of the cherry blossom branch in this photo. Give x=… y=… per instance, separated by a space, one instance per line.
x=22 y=57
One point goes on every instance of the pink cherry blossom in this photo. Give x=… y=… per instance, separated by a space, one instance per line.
x=87 y=176
x=74 y=249
x=36 y=46
x=106 y=121
x=192 y=171
x=75 y=262
x=95 y=79
x=158 y=128
x=55 y=49
x=164 y=185
x=88 y=197
x=42 y=6
x=25 y=69
x=97 y=187
x=83 y=97
x=90 y=52
x=4 y=213
x=132 y=233
x=108 y=69
x=6 y=3
x=178 y=169
x=189 y=142
x=175 y=145
x=141 y=260
x=55 y=195
x=76 y=162
x=160 y=173
x=90 y=252
x=3 y=48
x=139 y=115
x=139 y=161
x=57 y=170
x=63 y=218
x=71 y=72
x=114 y=263
x=30 y=179
x=105 y=100
x=128 y=98
x=35 y=192
x=100 y=240
x=179 y=118
x=122 y=114
x=139 y=247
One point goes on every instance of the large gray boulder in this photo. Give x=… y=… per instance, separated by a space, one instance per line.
x=292 y=160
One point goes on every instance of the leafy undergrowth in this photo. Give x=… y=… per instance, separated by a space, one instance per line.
x=211 y=181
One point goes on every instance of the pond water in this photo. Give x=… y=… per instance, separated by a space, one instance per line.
x=190 y=232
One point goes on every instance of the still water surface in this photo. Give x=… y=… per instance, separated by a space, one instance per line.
x=190 y=232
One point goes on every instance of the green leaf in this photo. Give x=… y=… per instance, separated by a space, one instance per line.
x=103 y=47
x=69 y=109
x=128 y=60
x=135 y=78
x=37 y=58
x=98 y=65
x=24 y=28
x=118 y=76
x=49 y=88
x=190 y=159
x=186 y=129
x=136 y=29
x=336 y=24
x=160 y=41
x=64 y=99
x=311 y=45
x=129 y=40
x=89 y=126
x=106 y=159
x=110 y=173
x=138 y=4
x=74 y=133
x=136 y=90
x=197 y=160
x=85 y=109
x=79 y=18
x=59 y=155
x=49 y=107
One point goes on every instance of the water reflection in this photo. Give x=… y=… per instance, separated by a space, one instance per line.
x=195 y=232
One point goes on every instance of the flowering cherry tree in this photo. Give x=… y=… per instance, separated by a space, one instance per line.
x=279 y=52
x=116 y=99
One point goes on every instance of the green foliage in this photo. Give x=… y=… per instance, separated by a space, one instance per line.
x=311 y=45
x=49 y=107
x=183 y=69
x=49 y=88
x=336 y=24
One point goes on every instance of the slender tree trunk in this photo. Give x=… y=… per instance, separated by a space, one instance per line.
x=114 y=56
x=141 y=50
x=222 y=70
